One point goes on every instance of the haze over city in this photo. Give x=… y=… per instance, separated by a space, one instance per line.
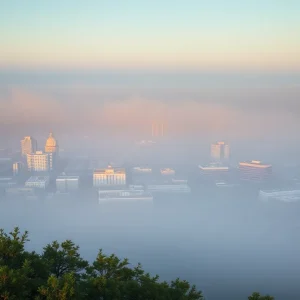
x=162 y=131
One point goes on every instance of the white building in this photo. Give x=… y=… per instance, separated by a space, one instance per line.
x=280 y=195
x=65 y=184
x=39 y=182
x=109 y=177
x=39 y=161
x=28 y=145
x=219 y=151
x=255 y=170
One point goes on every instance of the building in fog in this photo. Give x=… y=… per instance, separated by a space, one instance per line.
x=157 y=129
x=214 y=171
x=17 y=168
x=28 y=145
x=280 y=195
x=39 y=162
x=255 y=170
x=39 y=182
x=67 y=184
x=51 y=145
x=219 y=151
x=109 y=177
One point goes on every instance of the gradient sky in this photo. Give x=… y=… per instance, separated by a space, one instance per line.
x=133 y=34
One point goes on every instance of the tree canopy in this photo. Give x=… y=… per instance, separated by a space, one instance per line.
x=60 y=272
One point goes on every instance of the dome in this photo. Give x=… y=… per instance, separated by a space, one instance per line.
x=51 y=144
x=51 y=141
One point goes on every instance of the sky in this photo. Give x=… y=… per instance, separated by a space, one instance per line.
x=226 y=69
x=133 y=34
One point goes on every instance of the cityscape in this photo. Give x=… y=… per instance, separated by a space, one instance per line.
x=149 y=150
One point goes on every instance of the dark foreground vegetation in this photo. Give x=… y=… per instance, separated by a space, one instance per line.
x=61 y=273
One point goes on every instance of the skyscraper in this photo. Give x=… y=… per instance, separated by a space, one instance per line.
x=28 y=145
x=219 y=151
x=51 y=145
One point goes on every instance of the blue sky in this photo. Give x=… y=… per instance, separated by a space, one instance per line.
x=150 y=34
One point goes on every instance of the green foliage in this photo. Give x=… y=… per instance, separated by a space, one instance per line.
x=61 y=273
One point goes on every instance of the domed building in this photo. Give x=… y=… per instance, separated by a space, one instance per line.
x=51 y=145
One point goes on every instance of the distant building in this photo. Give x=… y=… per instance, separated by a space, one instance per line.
x=255 y=171
x=214 y=169
x=17 y=168
x=40 y=161
x=219 y=151
x=280 y=195
x=142 y=170
x=28 y=145
x=66 y=184
x=109 y=177
x=51 y=145
x=39 y=182
x=167 y=171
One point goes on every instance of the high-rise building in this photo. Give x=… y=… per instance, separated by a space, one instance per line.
x=28 y=145
x=109 y=177
x=39 y=161
x=51 y=145
x=255 y=170
x=219 y=151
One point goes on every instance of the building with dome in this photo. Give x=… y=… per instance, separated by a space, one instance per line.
x=51 y=145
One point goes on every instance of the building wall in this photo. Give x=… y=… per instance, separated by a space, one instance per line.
x=109 y=177
x=39 y=162
x=28 y=145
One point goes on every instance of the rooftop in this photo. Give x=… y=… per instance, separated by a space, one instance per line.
x=38 y=179
x=255 y=163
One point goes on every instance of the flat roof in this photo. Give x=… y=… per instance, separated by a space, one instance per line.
x=38 y=179
x=110 y=171
x=255 y=163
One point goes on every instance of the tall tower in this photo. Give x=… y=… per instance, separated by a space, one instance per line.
x=51 y=145
x=219 y=151
x=28 y=145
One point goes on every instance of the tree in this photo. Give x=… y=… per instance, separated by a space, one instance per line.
x=257 y=296
x=60 y=273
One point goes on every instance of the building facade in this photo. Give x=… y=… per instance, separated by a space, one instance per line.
x=28 y=145
x=219 y=151
x=66 y=184
x=39 y=162
x=39 y=182
x=255 y=171
x=109 y=177
x=17 y=168
x=51 y=145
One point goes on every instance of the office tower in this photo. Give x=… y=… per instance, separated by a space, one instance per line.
x=40 y=161
x=28 y=145
x=219 y=151
x=255 y=171
x=109 y=177
x=51 y=145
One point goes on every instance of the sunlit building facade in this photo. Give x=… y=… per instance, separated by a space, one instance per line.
x=219 y=151
x=28 y=145
x=109 y=177
x=51 y=145
x=39 y=162
x=255 y=170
